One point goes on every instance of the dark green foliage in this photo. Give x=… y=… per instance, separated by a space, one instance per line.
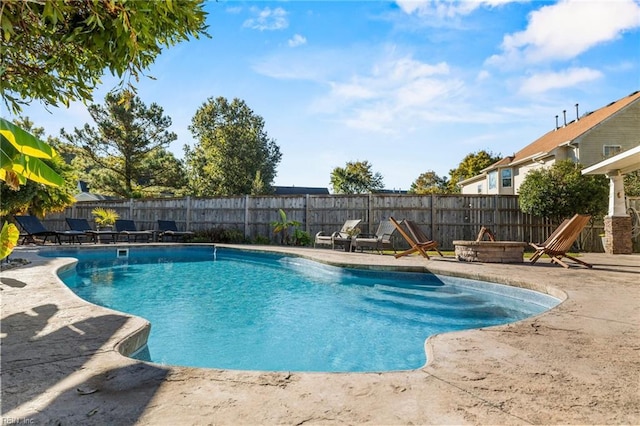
x=429 y=183
x=233 y=154
x=126 y=154
x=220 y=235
x=57 y=50
x=261 y=239
x=560 y=191
x=301 y=238
x=355 y=178
x=632 y=184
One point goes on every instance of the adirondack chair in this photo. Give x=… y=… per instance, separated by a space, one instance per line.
x=561 y=240
x=418 y=241
x=379 y=241
x=338 y=238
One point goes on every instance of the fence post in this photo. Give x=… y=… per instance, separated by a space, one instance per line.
x=370 y=213
x=496 y=216
x=188 y=214
x=246 y=215
x=433 y=218
x=306 y=213
x=131 y=208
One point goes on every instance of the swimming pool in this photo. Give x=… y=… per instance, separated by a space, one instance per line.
x=261 y=311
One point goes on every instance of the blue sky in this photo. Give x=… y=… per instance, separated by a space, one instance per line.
x=408 y=86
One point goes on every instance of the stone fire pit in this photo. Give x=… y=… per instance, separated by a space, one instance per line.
x=490 y=251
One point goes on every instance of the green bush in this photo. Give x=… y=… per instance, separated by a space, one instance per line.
x=301 y=238
x=220 y=235
x=261 y=239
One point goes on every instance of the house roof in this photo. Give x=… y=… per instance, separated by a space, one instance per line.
x=568 y=133
x=299 y=190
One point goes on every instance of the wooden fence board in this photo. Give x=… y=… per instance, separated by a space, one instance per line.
x=443 y=217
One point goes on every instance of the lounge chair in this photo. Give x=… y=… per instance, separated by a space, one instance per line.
x=561 y=240
x=379 y=241
x=169 y=229
x=416 y=239
x=127 y=228
x=33 y=228
x=338 y=238
x=82 y=225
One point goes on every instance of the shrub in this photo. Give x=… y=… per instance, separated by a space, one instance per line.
x=261 y=239
x=220 y=235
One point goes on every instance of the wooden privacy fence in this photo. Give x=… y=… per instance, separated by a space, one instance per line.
x=444 y=217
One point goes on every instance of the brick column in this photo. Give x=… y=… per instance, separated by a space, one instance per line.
x=617 y=230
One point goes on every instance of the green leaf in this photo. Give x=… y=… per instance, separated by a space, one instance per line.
x=26 y=167
x=24 y=142
x=8 y=239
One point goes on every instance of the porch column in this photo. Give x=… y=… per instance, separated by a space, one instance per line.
x=617 y=224
x=617 y=206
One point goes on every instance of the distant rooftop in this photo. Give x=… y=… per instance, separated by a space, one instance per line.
x=299 y=190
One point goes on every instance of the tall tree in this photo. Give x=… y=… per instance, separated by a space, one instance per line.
x=233 y=154
x=126 y=154
x=356 y=178
x=470 y=166
x=429 y=183
x=560 y=191
x=57 y=50
x=632 y=184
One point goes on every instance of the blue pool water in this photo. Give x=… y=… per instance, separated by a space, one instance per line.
x=258 y=311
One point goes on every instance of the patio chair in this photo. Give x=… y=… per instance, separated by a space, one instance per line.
x=127 y=228
x=82 y=225
x=379 y=241
x=561 y=240
x=169 y=229
x=338 y=238
x=33 y=228
x=416 y=239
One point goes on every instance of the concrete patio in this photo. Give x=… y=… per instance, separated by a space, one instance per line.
x=578 y=363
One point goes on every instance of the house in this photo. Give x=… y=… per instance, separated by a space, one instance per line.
x=85 y=195
x=589 y=139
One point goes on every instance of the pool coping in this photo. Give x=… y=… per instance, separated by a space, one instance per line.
x=577 y=363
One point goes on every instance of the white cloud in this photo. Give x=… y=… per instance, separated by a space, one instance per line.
x=395 y=93
x=565 y=30
x=297 y=40
x=483 y=75
x=267 y=19
x=234 y=10
x=446 y=8
x=543 y=82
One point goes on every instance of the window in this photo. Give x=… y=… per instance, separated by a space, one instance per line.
x=479 y=188
x=506 y=178
x=611 y=150
x=493 y=177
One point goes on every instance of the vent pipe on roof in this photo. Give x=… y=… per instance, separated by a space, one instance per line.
x=564 y=112
x=577 y=114
x=556 y=122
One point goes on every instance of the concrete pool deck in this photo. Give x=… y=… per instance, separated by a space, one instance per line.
x=578 y=363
